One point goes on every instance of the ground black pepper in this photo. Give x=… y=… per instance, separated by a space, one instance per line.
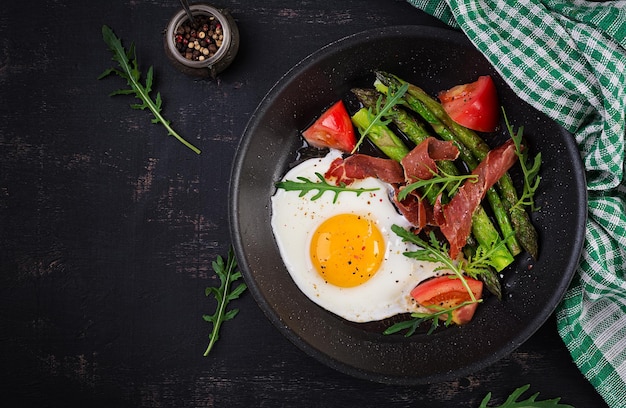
x=200 y=40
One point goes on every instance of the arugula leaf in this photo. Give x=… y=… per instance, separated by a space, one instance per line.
x=393 y=98
x=442 y=179
x=476 y=266
x=435 y=251
x=305 y=185
x=531 y=402
x=432 y=251
x=530 y=168
x=129 y=70
x=479 y=263
x=223 y=294
x=435 y=317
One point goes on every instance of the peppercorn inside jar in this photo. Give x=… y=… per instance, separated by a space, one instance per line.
x=205 y=46
x=199 y=40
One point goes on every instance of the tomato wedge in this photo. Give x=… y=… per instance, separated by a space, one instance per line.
x=333 y=130
x=474 y=105
x=448 y=292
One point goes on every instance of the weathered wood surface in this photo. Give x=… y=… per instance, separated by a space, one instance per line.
x=108 y=227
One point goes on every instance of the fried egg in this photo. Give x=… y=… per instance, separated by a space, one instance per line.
x=342 y=254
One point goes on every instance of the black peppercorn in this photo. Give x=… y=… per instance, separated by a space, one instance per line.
x=203 y=34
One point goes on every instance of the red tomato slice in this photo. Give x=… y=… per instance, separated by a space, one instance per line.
x=474 y=105
x=333 y=129
x=448 y=292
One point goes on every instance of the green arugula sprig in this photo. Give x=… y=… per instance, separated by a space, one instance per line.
x=437 y=315
x=393 y=98
x=530 y=168
x=432 y=251
x=442 y=181
x=223 y=294
x=478 y=264
x=305 y=185
x=435 y=251
x=531 y=402
x=129 y=70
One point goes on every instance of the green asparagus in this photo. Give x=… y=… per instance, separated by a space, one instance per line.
x=415 y=131
x=431 y=111
x=379 y=134
x=525 y=231
x=391 y=145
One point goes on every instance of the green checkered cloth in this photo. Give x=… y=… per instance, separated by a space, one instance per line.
x=567 y=58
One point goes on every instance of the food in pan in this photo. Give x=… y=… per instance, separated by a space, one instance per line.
x=420 y=227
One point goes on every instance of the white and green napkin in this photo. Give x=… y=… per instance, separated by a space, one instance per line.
x=567 y=58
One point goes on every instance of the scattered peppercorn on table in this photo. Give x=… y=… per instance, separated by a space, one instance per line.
x=110 y=225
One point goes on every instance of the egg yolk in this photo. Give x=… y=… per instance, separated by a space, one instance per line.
x=347 y=250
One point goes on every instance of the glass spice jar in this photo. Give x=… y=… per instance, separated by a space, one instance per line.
x=206 y=47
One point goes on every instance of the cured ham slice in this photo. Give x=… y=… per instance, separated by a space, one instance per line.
x=360 y=166
x=417 y=211
x=420 y=163
x=455 y=218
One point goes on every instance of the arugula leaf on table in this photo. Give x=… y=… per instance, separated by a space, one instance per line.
x=129 y=70
x=305 y=185
x=223 y=294
x=531 y=402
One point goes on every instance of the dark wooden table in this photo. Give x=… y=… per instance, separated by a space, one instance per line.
x=108 y=227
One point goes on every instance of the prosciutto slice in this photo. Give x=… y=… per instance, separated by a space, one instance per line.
x=420 y=163
x=417 y=211
x=455 y=218
x=360 y=166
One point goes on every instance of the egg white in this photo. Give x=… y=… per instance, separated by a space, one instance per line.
x=295 y=219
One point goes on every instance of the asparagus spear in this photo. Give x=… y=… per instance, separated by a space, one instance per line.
x=500 y=210
x=524 y=230
x=488 y=275
x=405 y=122
x=482 y=228
x=387 y=141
